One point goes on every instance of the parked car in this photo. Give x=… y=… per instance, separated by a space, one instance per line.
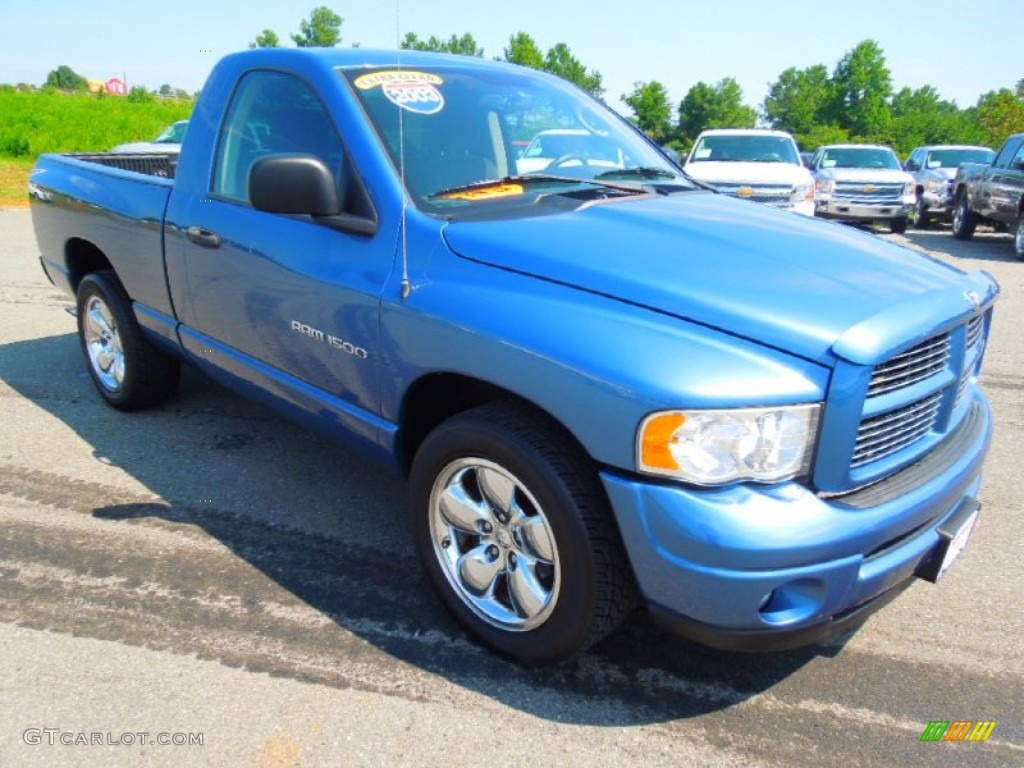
x=752 y=164
x=992 y=193
x=169 y=141
x=862 y=183
x=933 y=169
x=601 y=390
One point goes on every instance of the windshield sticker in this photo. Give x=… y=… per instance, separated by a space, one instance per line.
x=414 y=91
x=487 y=193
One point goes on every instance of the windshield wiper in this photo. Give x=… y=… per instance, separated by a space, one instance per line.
x=541 y=178
x=645 y=172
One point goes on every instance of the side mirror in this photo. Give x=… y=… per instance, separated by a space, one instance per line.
x=297 y=184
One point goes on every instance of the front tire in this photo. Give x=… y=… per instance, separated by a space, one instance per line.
x=964 y=220
x=516 y=533
x=898 y=226
x=920 y=218
x=128 y=371
x=1018 y=236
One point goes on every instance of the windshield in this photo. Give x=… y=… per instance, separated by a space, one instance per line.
x=860 y=157
x=745 y=148
x=951 y=158
x=173 y=134
x=451 y=127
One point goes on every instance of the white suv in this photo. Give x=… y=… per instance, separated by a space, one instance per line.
x=753 y=164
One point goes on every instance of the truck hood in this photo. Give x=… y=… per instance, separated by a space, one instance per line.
x=940 y=173
x=711 y=172
x=773 y=277
x=877 y=175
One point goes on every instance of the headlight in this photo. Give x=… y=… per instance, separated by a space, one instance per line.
x=803 y=192
x=936 y=185
x=908 y=188
x=712 y=447
x=824 y=186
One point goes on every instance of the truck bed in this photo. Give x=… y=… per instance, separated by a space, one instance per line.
x=161 y=165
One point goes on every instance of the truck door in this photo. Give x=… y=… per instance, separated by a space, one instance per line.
x=1006 y=181
x=286 y=302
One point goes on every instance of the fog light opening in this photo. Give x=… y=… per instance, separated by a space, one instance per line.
x=792 y=602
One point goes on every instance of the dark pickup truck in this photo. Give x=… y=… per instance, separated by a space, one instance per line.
x=992 y=193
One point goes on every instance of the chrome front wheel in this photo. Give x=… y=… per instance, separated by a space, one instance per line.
x=494 y=544
x=513 y=526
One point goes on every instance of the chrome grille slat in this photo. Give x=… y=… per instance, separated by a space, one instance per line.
x=890 y=432
x=916 y=364
x=878 y=437
x=974 y=330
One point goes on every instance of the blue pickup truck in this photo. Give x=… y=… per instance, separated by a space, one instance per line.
x=604 y=381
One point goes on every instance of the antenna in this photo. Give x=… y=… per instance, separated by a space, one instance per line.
x=406 y=285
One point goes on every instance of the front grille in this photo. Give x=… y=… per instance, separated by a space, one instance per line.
x=868 y=193
x=772 y=194
x=916 y=364
x=890 y=432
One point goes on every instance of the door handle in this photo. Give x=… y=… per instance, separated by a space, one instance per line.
x=204 y=237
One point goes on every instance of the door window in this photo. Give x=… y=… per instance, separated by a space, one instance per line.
x=272 y=113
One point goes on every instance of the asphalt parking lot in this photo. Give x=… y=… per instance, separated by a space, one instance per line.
x=209 y=569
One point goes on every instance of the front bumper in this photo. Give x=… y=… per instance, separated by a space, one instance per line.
x=847 y=210
x=938 y=203
x=767 y=567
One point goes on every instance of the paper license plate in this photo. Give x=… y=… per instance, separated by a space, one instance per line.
x=957 y=544
x=953 y=537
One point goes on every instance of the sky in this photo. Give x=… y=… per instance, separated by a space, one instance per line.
x=964 y=49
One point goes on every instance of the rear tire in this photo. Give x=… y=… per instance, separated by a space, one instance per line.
x=516 y=533
x=964 y=220
x=129 y=372
x=898 y=226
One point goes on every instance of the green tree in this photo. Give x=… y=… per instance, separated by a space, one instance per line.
x=561 y=61
x=322 y=30
x=65 y=78
x=138 y=94
x=166 y=91
x=651 y=109
x=465 y=45
x=267 y=39
x=798 y=100
x=861 y=87
x=922 y=117
x=719 y=106
x=1000 y=113
x=524 y=51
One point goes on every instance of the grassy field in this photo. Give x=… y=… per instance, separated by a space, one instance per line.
x=13 y=180
x=51 y=121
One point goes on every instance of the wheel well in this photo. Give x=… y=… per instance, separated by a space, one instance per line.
x=440 y=396
x=82 y=257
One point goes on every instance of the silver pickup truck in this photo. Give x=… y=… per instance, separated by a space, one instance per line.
x=933 y=169
x=863 y=183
